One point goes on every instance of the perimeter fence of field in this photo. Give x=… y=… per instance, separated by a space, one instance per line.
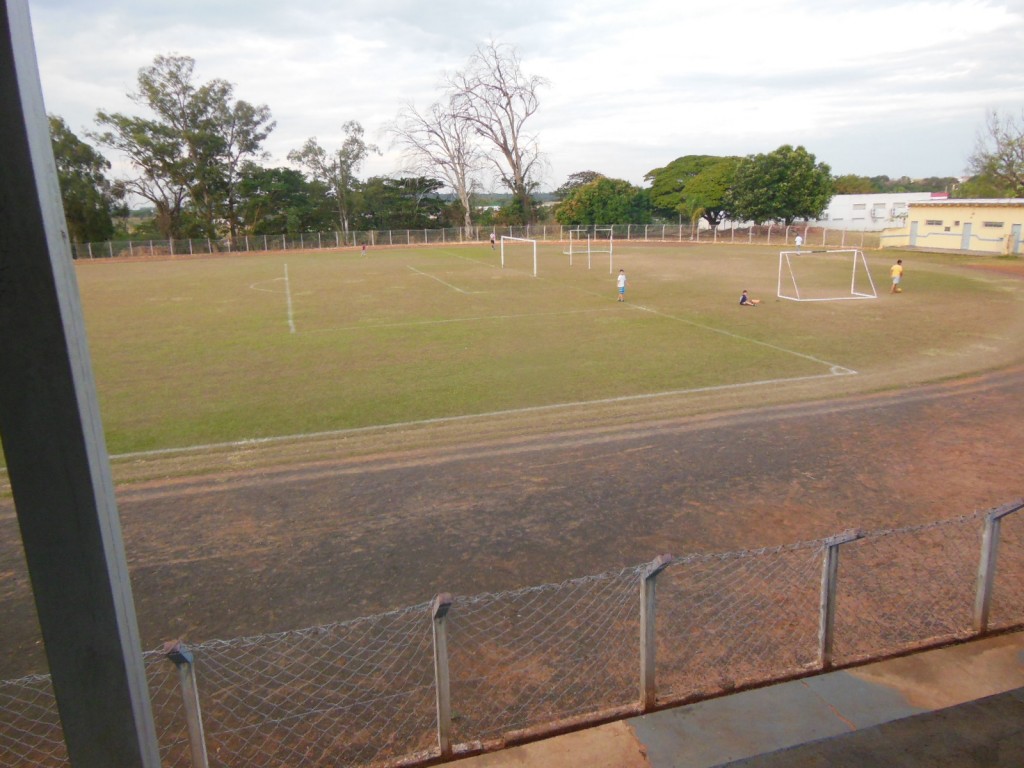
x=465 y=674
x=769 y=234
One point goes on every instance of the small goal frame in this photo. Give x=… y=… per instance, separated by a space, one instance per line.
x=519 y=240
x=789 y=289
x=594 y=244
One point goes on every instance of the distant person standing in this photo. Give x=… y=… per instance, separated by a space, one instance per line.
x=621 y=284
x=896 y=273
x=799 y=242
x=492 y=241
x=364 y=250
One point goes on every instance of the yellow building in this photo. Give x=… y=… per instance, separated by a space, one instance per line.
x=976 y=226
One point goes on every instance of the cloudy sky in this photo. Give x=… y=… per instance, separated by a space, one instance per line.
x=874 y=87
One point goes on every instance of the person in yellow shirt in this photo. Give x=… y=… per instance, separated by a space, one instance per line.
x=896 y=273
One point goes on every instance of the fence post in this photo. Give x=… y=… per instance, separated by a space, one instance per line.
x=176 y=652
x=439 y=611
x=987 y=563
x=648 y=689
x=827 y=598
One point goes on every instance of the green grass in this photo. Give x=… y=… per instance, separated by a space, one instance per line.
x=201 y=351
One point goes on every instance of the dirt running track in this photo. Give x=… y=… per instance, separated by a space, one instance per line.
x=263 y=550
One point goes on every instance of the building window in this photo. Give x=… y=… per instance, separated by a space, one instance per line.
x=933 y=222
x=859 y=206
x=993 y=224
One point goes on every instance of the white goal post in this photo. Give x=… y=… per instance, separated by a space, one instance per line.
x=581 y=241
x=519 y=240
x=822 y=275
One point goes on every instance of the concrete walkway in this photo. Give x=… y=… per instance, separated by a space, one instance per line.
x=960 y=706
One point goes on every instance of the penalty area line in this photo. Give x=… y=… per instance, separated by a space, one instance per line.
x=834 y=368
x=258 y=441
x=442 y=282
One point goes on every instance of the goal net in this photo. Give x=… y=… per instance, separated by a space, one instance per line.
x=825 y=276
x=520 y=252
x=591 y=245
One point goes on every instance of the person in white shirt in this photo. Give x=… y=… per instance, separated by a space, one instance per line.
x=621 y=284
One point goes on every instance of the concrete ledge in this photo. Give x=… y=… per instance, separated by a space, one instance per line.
x=974 y=690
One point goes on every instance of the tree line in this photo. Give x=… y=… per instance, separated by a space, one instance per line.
x=196 y=157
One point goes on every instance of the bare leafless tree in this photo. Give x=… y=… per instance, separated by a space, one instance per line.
x=438 y=143
x=494 y=96
x=999 y=153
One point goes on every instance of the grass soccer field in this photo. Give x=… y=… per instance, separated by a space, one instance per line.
x=199 y=352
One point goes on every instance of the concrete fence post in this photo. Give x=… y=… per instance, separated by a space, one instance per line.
x=177 y=653
x=987 y=563
x=827 y=598
x=442 y=684
x=648 y=635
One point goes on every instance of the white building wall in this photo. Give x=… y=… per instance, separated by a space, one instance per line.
x=871 y=212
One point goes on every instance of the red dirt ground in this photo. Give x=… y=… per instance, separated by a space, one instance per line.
x=259 y=551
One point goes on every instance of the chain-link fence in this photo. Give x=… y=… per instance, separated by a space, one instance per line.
x=468 y=673
x=729 y=232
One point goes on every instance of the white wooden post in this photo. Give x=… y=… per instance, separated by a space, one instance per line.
x=987 y=563
x=648 y=636
x=827 y=598
x=442 y=682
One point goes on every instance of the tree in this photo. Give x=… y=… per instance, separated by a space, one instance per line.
x=276 y=200
x=440 y=143
x=693 y=186
x=605 y=201
x=667 y=183
x=90 y=200
x=494 y=96
x=851 y=184
x=998 y=156
x=406 y=203
x=706 y=195
x=575 y=181
x=783 y=185
x=338 y=169
x=190 y=152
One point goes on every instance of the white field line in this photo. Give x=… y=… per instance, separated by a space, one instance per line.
x=288 y=295
x=442 y=282
x=470 y=416
x=836 y=369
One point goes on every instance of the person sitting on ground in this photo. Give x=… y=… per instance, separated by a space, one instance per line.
x=746 y=301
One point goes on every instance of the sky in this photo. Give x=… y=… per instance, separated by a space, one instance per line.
x=870 y=88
